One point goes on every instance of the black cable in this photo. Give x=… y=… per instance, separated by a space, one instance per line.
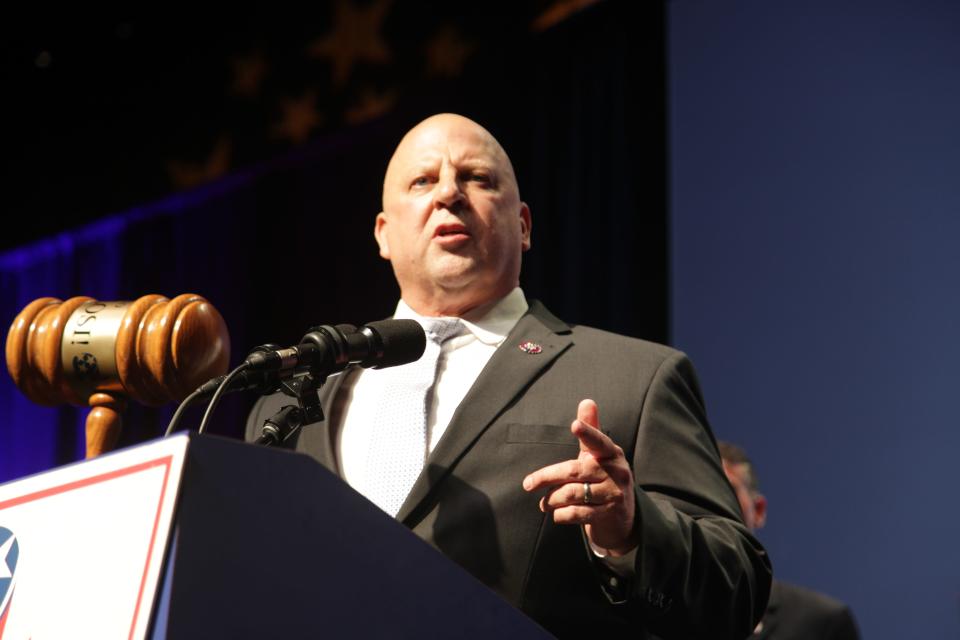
x=179 y=412
x=215 y=400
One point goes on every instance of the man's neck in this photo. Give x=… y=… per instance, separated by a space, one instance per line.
x=454 y=305
x=490 y=323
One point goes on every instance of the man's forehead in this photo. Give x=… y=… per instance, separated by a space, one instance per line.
x=741 y=471
x=432 y=143
x=737 y=469
x=429 y=158
x=466 y=143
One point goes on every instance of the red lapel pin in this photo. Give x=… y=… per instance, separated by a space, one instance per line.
x=530 y=347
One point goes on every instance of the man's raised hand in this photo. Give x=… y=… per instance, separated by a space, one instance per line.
x=595 y=490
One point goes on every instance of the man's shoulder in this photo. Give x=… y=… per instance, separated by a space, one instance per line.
x=594 y=347
x=585 y=333
x=617 y=340
x=794 y=593
x=799 y=602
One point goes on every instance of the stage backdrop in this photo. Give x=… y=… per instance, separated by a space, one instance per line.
x=287 y=243
x=815 y=218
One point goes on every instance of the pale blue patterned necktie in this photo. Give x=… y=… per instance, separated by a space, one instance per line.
x=398 y=447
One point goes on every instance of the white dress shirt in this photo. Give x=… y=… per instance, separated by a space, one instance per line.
x=462 y=358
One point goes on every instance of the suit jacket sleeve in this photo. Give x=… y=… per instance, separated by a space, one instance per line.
x=698 y=570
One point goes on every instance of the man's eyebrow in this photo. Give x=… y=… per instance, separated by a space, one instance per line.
x=425 y=162
x=416 y=168
x=478 y=163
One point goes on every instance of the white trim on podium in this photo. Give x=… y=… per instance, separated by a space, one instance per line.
x=90 y=540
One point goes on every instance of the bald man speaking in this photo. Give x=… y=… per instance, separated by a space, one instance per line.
x=571 y=470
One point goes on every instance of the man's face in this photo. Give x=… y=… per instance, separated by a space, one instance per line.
x=753 y=505
x=452 y=225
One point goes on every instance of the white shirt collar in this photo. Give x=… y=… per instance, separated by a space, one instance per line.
x=490 y=324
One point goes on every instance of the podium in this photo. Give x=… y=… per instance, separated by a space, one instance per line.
x=204 y=537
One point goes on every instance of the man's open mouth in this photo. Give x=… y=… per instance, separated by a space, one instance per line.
x=451 y=230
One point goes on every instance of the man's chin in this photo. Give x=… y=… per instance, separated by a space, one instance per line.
x=453 y=283
x=454 y=272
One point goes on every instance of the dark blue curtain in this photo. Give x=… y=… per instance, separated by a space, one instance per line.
x=288 y=243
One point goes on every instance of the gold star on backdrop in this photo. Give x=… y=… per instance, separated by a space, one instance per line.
x=447 y=52
x=355 y=37
x=558 y=12
x=300 y=117
x=185 y=175
x=372 y=104
x=248 y=74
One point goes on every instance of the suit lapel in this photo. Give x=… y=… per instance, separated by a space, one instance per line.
x=509 y=371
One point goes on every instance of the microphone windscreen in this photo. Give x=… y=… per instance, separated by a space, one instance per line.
x=402 y=341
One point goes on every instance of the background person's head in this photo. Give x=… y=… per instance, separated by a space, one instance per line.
x=743 y=477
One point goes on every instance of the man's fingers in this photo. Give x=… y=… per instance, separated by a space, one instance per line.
x=594 y=441
x=574 y=494
x=587 y=430
x=589 y=413
x=562 y=473
x=580 y=514
x=563 y=496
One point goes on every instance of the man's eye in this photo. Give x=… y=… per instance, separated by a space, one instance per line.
x=480 y=177
x=421 y=181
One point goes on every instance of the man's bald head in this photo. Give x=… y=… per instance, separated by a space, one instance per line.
x=452 y=225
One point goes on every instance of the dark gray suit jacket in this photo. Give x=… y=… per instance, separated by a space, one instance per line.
x=698 y=572
x=796 y=613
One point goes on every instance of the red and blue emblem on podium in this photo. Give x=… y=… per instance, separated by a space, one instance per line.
x=9 y=552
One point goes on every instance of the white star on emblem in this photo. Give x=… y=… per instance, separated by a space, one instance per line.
x=4 y=550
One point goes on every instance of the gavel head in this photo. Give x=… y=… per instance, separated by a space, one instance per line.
x=152 y=350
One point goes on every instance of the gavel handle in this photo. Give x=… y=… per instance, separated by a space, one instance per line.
x=104 y=423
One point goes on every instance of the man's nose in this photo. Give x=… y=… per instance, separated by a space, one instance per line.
x=448 y=194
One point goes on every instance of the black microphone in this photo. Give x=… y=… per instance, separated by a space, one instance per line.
x=326 y=349
x=387 y=343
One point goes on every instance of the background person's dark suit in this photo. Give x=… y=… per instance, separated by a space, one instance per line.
x=695 y=557
x=796 y=613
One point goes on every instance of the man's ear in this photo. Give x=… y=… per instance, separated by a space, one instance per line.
x=760 y=509
x=379 y=232
x=526 y=224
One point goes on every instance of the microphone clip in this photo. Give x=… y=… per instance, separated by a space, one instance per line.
x=289 y=419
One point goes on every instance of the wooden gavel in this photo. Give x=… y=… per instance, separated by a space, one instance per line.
x=89 y=353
